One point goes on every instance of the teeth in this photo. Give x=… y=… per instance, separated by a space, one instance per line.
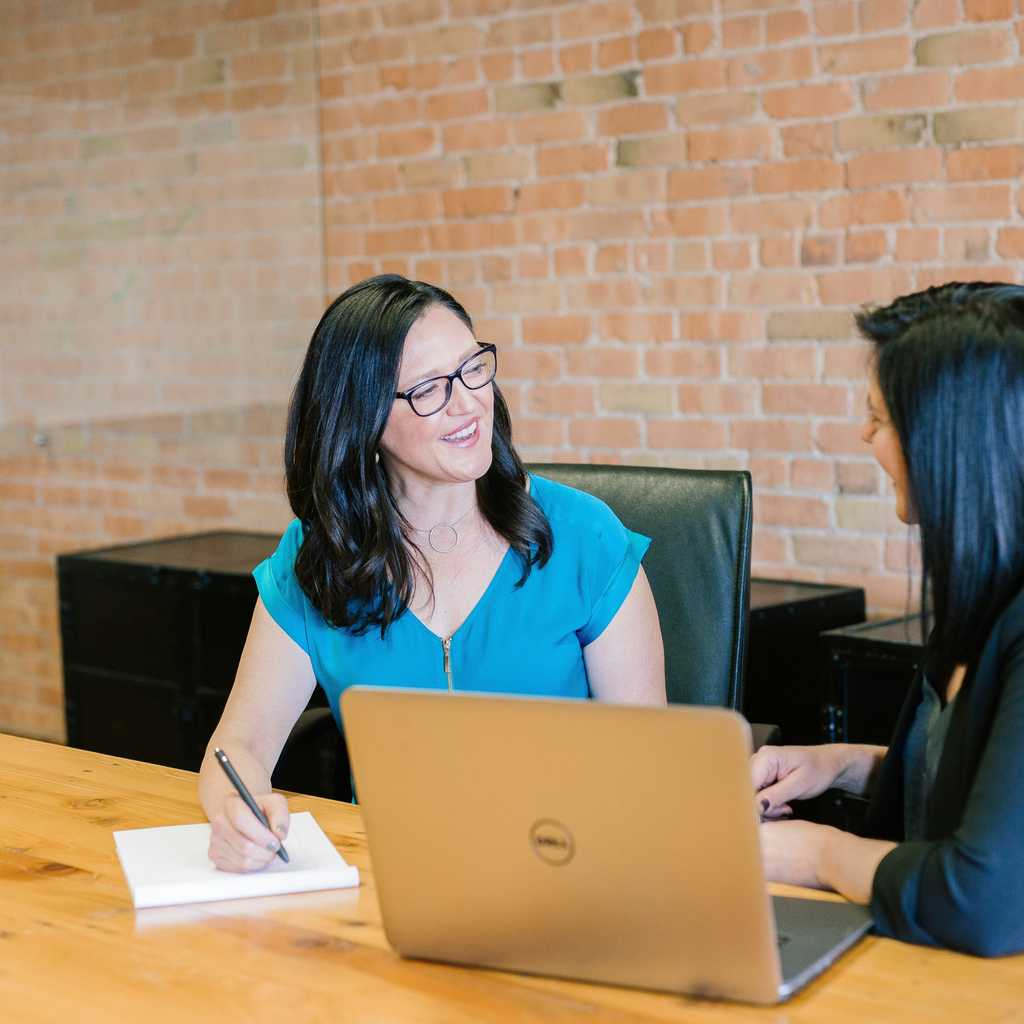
x=462 y=434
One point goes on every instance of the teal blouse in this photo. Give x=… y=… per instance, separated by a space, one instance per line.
x=524 y=640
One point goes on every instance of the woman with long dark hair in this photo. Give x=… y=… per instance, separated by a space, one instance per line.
x=422 y=553
x=941 y=860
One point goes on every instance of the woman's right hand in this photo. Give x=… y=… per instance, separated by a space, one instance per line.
x=784 y=774
x=238 y=842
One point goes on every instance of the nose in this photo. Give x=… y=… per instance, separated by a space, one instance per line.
x=462 y=400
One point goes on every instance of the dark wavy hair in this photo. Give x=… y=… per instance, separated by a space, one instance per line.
x=356 y=564
x=950 y=365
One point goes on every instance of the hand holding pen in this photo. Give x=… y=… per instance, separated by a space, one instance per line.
x=249 y=831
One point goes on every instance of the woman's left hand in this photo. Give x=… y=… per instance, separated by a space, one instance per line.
x=794 y=851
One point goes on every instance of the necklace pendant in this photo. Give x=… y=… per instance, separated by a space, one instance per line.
x=442 y=538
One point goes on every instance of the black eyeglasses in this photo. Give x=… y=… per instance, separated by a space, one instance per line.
x=431 y=396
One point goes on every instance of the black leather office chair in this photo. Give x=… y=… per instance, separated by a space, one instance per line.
x=698 y=565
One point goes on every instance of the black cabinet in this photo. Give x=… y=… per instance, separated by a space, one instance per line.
x=787 y=678
x=151 y=637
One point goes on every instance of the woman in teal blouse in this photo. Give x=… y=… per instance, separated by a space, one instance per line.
x=421 y=554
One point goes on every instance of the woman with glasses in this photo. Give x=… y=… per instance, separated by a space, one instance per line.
x=941 y=858
x=422 y=554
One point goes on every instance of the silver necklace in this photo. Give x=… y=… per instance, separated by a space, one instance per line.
x=443 y=537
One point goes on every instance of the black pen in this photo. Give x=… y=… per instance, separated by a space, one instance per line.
x=229 y=771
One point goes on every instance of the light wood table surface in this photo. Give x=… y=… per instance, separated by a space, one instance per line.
x=73 y=949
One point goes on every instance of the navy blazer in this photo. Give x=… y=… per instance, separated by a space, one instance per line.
x=962 y=887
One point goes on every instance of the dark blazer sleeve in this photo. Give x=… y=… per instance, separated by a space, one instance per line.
x=964 y=888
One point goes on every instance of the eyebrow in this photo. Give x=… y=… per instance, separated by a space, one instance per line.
x=433 y=374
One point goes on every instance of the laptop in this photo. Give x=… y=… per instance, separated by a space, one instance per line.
x=600 y=842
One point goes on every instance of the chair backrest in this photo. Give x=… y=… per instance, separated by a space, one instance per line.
x=698 y=565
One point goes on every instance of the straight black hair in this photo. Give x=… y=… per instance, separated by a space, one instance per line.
x=949 y=362
x=355 y=563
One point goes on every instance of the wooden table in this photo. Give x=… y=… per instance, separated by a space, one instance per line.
x=73 y=949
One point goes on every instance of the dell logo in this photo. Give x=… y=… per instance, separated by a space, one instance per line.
x=552 y=842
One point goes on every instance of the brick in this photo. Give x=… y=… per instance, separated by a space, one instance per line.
x=881 y=132
x=515 y=99
x=857 y=477
x=498 y=67
x=477 y=135
x=967 y=245
x=684 y=77
x=751 y=142
x=909 y=165
x=919 y=89
x=414 y=207
x=816 y=475
x=764 y=288
x=934 y=13
x=865 y=246
x=653 y=257
x=446 y=106
x=175 y=47
x=835 y=19
x=601 y=19
x=716 y=108
x=808 y=100
x=990 y=84
x=879 y=53
x=785 y=26
x=530 y=297
x=518 y=32
x=879 y=15
x=698 y=435
x=917 y=245
x=850 y=553
x=804 y=400
x=698 y=36
x=809 y=139
x=600 y=88
x=819 y=250
x=576 y=60
x=954 y=49
x=656 y=43
x=690 y=361
x=709 y=183
x=507 y=164
x=769 y=216
x=845 y=287
x=962 y=202
x=550 y=195
x=447 y=40
x=768 y=548
x=729 y=255
x=786 y=65
x=636 y=397
x=582 y=159
x=616 y=53
x=633 y=187
x=785 y=510
x=1010 y=243
x=636 y=327
x=555 y=330
x=722 y=325
x=604 y=432
x=988 y=10
x=651 y=151
x=672 y=10
x=590 y=225
x=556 y=126
x=809 y=325
x=536 y=64
x=561 y=399
x=771 y=435
x=879 y=206
x=799 y=176
x=863 y=515
x=471 y=236
x=406 y=142
x=744 y=33
x=602 y=362
x=686 y=290
x=633 y=118
x=430 y=173
x=714 y=398
x=778 y=251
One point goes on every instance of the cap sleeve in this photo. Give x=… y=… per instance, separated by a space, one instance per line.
x=279 y=588
x=611 y=555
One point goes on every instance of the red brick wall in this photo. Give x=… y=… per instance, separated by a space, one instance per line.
x=661 y=210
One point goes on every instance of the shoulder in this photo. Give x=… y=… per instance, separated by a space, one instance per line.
x=567 y=506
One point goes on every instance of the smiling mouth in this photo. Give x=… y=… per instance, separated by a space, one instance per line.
x=464 y=434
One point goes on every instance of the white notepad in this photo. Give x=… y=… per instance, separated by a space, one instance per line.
x=169 y=865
